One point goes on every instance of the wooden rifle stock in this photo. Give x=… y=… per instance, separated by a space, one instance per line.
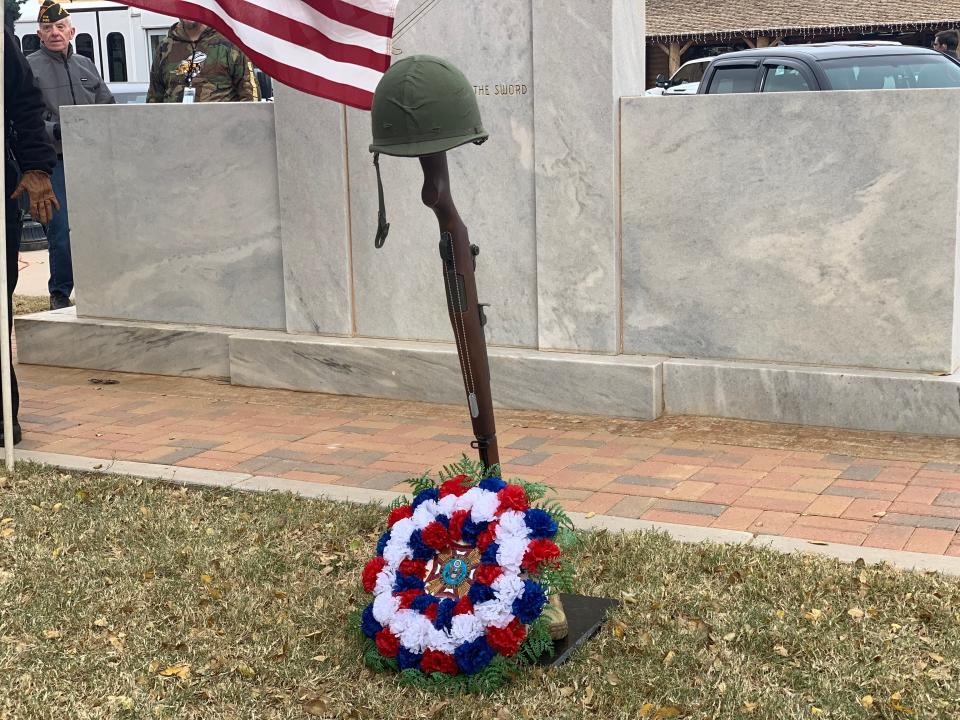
x=466 y=313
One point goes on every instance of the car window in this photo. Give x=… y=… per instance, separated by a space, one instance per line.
x=892 y=72
x=690 y=73
x=780 y=78
x=733 y=79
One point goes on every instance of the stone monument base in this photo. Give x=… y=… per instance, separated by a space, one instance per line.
x=632 y=386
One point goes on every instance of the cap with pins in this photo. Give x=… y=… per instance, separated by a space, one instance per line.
x=51 y=12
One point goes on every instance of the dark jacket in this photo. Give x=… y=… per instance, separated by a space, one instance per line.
x=213 y=66
x=69 y=79
x=25 y=140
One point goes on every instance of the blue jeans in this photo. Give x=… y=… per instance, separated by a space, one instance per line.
x=58 y=240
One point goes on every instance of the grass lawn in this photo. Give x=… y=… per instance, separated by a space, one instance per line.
x=125 y=598
x=26 y=304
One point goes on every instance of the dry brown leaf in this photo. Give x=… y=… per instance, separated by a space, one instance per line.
x=813 y=615
x=52 y=634
x=566 y=691
x=588 y=695
x=729 y=636
x=867 y=701
x=668 y=660
x=750 y=707
x=667 y=711
x=317 y=707
x=855 y=613
x=646 y=710
x=181 y=671
x=7 y=533
x=781 y=650
x=245 y=670
x=590 y=514
x=817 y=542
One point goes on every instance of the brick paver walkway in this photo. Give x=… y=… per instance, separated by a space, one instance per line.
x=872 y=489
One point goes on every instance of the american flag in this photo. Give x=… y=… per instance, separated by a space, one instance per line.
x=337 y=49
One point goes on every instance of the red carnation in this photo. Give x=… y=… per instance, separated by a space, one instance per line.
x=486 y=574
x=539 y=551
x=404 y=511
x=431 y=612
x=487 y=536
x=436 y=661
x=463 y=606
x=370 y=572
x=407 y=597
x=387 y=643
x=513 y=497
x=417 y=568
x=454 y=486
x=456 y=524
x=436 y=536
x=506 y=641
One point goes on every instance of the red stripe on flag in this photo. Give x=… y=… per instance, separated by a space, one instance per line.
x=286 y=74
x=352 y=15
x=305 y=35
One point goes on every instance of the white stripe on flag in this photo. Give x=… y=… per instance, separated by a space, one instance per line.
x=381 y=7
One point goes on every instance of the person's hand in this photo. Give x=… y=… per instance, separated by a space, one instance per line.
x=42 y=200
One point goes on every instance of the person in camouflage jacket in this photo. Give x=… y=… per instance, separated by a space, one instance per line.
x=196 y=56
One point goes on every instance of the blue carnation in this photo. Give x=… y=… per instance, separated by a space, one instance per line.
x=418 y=548
x=382 y=544
x=471 y=530
x=541 y=524
x=528 y=606
x=493 y=484
x=407 y=659
x=407 y=582
x=489 y=556
x=443 y=520
x=431 y=494
x=444 y=614
x=368 y=623
x=480 y=593
x=422 y=602
x=472 y=657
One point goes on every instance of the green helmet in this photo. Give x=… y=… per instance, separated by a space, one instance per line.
x=422 y=105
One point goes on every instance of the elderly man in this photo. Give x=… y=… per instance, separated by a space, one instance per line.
x=64 y=78
x=29 y=160
x=195 y=63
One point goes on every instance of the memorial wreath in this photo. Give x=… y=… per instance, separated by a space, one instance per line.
x=462 y=579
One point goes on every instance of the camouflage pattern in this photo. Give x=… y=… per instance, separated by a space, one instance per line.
x=214 y=66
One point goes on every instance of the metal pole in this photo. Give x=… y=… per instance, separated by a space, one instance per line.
x=5 y=384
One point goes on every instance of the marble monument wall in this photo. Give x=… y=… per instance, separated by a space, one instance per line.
x=812 y=228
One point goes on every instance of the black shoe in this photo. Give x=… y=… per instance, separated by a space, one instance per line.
x=58 y=302
x=17 y=434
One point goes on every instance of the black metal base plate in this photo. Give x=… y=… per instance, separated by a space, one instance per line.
x=585 y=615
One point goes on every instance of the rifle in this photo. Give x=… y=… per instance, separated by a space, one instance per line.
x=466 y=312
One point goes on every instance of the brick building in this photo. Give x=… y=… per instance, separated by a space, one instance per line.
x=681 y=30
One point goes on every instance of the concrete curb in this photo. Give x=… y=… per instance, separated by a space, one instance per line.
x=345 y=493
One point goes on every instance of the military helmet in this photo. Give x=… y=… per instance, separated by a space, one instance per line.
x=422 y=105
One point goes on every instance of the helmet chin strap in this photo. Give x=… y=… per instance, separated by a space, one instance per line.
x=383 y=227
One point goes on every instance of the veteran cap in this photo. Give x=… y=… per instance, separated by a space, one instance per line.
x=51 y=12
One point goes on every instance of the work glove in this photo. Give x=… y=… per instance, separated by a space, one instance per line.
x=42 y=200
